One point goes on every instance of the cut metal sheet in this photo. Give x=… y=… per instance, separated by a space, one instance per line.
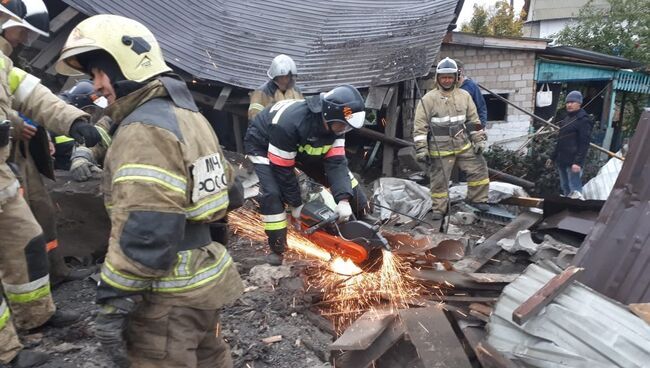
x=616 y=253
x=361 y=42
x=579 y=328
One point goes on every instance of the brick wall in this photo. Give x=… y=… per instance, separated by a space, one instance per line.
x=502 y=71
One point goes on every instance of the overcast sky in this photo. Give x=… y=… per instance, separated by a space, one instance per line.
x=468 y=6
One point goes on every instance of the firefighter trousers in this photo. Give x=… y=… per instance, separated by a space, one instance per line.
x=272 y=204
x=474 y=167
x=23 y=265
x=160 y=336
x=43 y=208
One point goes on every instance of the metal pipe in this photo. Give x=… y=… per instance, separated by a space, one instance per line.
x=501 y=176
x=609 y=153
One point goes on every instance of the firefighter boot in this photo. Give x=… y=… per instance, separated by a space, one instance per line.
x=62 y=318
x=29 y=358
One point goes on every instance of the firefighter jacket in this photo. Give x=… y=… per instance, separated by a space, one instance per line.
x=445 y=115
x=165 y=178
x=290 y=132
x=267 y=95
x=23 y=92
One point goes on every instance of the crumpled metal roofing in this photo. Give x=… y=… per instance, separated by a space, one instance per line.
x=579 y=328
x=360 y=42
x=616 y=254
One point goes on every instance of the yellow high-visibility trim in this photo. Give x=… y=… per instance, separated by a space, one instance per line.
x=314 y=151
x=275 y=225
x=152 y=167
x=439 y=195
x=354 y=182
x=212 y=204
x=150 y=173
x=15 y=77
x=218 y=268
x=478 y=183
x=62 y=139
x=150 y=179
x=4 y=317
x=449 y=153
x=256 y=106
x=106 y=138
x=39 y=293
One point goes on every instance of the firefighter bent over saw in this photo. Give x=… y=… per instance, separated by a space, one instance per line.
x=309 y=134
x=163 y=280
x=443 y=119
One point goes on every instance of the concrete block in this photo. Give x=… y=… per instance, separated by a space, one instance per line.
x=470 y=52
x=518 y=63
x=515 y=77
x=493 y=65
x=503 y=78
x=527 y=76
x=480 y=66
x=505 y=64
x=520 y=84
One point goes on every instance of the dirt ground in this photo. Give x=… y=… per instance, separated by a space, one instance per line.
x=263 y=311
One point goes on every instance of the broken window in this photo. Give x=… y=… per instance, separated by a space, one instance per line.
x=496 y=108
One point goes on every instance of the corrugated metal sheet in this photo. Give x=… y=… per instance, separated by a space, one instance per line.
x=616 y=254
x=361 y=42
x=579 y=328
x=601 y=185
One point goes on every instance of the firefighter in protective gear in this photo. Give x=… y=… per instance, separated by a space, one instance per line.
x=82 y=96
x=165 y=179
x=35 y=193
x=281 y=86
x=23 y=264
x=448 y=132
x=308 y=134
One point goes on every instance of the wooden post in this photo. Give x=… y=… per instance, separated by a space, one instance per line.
x=392 y=113
x=608 y=114
x=408 y=109
x=236 y=127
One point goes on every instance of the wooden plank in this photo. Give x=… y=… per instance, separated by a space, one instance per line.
x=464 y=299
x=376 y=97
x=390 y=130
x=363 y=358
x=481 y=308
x=223 y=98
x=434 y=339
x=236 y=127
x=642 y=310
x=456 y=280
x=489 y=278
x=62 y=18
x=524 y=201
x=489 y=248
x=486 y=354
x=545 y=295
x=363 y=332
x=480 y=316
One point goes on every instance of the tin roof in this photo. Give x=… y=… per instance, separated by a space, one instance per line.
x=579 y=328
x=616 y=254
x=360 y=42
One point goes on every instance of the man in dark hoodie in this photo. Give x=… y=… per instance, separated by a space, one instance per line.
x=572 y=144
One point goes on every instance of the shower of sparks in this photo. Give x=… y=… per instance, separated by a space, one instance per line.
x=347 y=290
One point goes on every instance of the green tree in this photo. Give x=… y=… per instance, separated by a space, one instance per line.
x=623 y=29
x=498 y=20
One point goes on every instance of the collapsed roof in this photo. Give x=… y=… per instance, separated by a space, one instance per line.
x=360 y=42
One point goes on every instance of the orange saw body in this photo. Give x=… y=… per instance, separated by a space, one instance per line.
x=354 y=240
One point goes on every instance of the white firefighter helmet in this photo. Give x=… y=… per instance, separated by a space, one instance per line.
x=447 y=66
x=36 y=20
x=282 y=65
x=11 y=10
x=129 y=42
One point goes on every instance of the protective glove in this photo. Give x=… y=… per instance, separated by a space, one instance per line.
x=295 y=216
x=82 y=166
x=344 y=210
x=110 y=325
x=84 y=133
x=479 y=140
x=422 y=156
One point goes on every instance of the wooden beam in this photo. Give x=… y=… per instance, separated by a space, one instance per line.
x=379 y=136
x=390 y=130
x=236 y=127
x=545 y=295
x=363 y=358
x=62 y=18
x=364 y=331
x=223 y=98
x=524 y=202
x=489 y=248
x=435 y=341
x=376 y=97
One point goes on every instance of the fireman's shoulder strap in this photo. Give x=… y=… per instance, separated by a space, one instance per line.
x=158 y=112
x=179 y=93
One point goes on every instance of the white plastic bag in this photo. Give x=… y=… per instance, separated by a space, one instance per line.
x=544 y=96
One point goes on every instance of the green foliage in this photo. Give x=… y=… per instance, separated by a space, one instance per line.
x=622 y=30
x=498 y=20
